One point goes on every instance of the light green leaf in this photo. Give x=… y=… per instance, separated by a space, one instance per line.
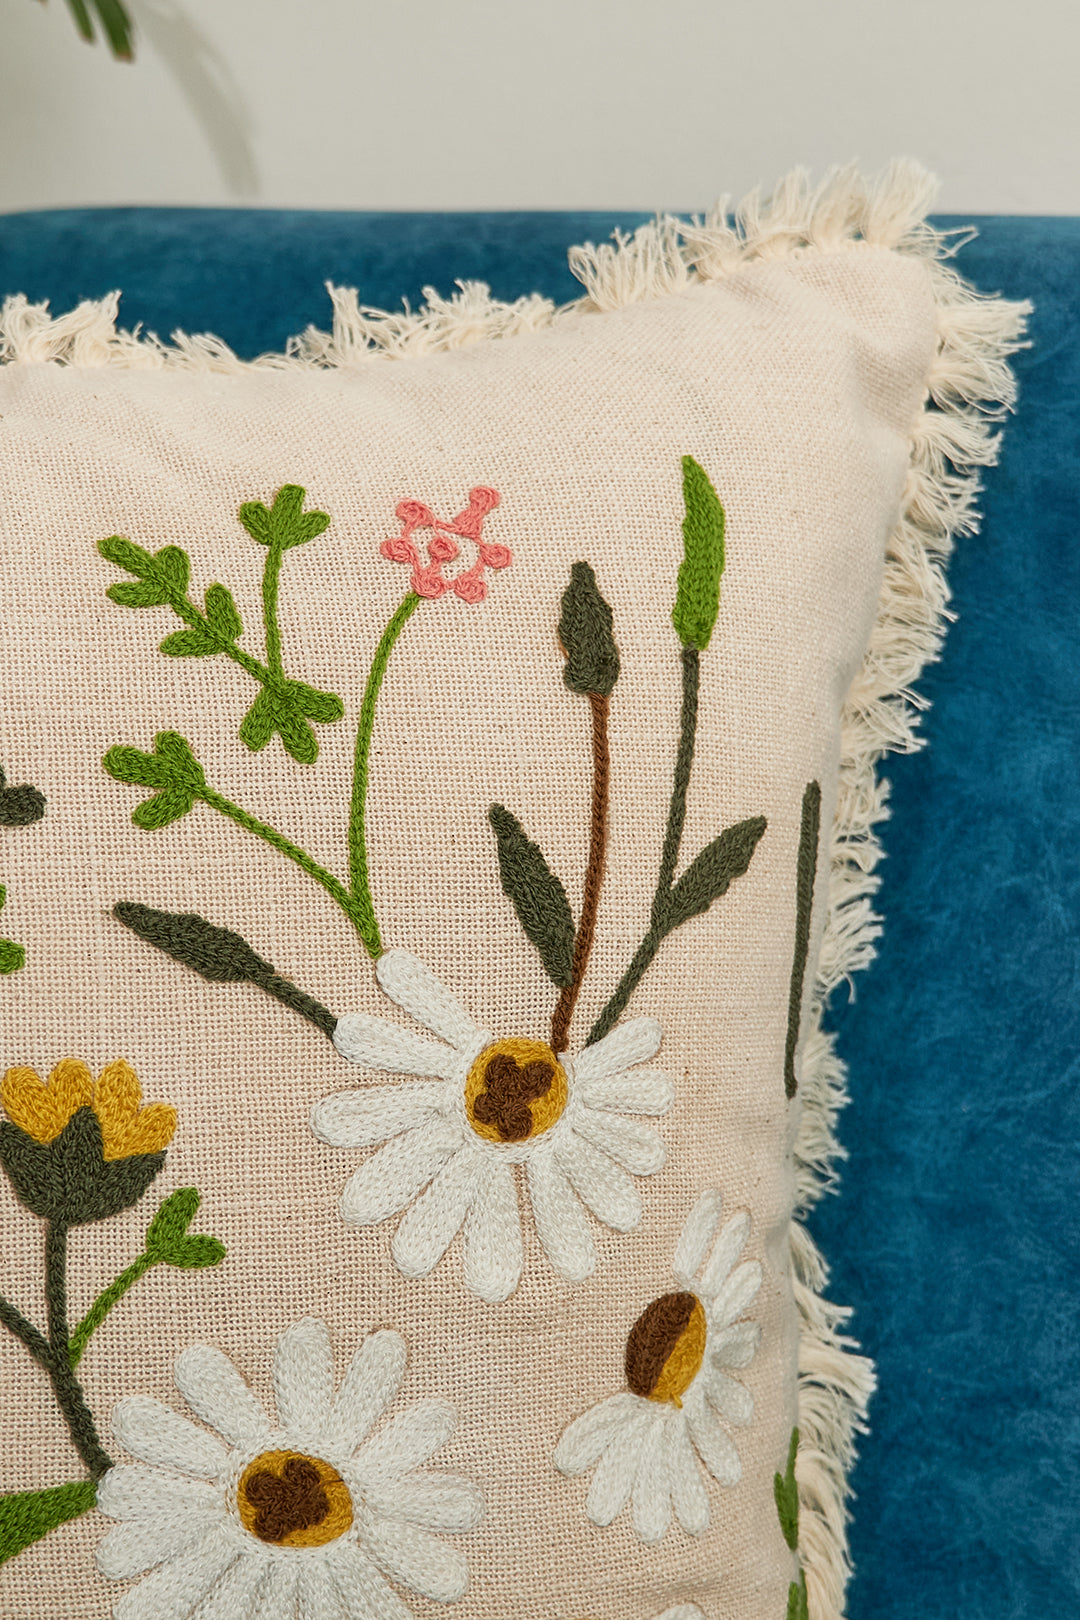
x=222 y=613
x=786 y=1492
x=174 y=565
x=162 y=809
x=285 y=524
x=258 y=725
x=697 y=598
x=144 y=594
x=12 y=956
x=26 y=1516
x=190 y=644
x=126 y=554
x=168 y=1241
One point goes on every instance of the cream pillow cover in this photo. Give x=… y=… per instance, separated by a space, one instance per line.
x=412 y=1045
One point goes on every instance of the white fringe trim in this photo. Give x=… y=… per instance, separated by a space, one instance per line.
x=969 y=388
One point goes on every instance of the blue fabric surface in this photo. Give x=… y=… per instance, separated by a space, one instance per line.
x=957 y=1235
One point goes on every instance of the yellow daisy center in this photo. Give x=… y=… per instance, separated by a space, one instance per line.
x=516 y=1089
x=289 y=1499
x=666 y=1348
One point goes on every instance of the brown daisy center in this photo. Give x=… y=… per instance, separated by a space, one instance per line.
x=516 y=1089
x=291 y=1500
x=666 y=1348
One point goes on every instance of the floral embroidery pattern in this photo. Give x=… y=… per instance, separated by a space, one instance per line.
x=19 y=807
x=485 y=1107
x=78 y=1150
x=318 y=1512
x=650 y=1444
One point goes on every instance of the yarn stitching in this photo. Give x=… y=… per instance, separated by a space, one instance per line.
x=805 y=871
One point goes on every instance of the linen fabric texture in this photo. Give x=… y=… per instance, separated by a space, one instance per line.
x=796 y=380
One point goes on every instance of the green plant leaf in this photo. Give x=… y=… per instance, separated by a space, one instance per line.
x=12 y=956
x=258 y=725
x=168 y=1241
x=216 y=953
x=26 y=1516
x=537 y=895
x=20 y=806
x=798 y=1601
x=127 y=554
x=144 y=594
x=786 y=1492
x=592 y=658
x=697 y=599
x=324 y=707
x=69 y=1179
x=117 y=25
x=222 y=613
x=711 y=873
x=172 y=768
x=190 y=644
x=296 y=735
x=82 y=19
x=162 y=809
x=285 y=524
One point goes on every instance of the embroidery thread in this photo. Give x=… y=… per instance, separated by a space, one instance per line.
x=649 y=1444
x=78 y=1150
x=805 y=872
x=324 y=1510
x=786 y=1492
x=19 y=807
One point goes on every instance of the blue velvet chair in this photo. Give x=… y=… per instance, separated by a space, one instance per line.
x=957 y=1235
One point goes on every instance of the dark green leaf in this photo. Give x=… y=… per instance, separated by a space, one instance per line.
x=709 y=875
x=126 y=554
x=222 y=613
x=216 y=953
x=117 y=25
x=258 y=725
x=537 y=895
x=697 y=599
x=324 y=707
x=786 y=1492
x=12 y=956
x=592 y=659
x=26 y=1516
x=20 y=806
x=70 y=1179
x=143 y=594
x=82 y=18
x=29 y=1168
x=190 y=644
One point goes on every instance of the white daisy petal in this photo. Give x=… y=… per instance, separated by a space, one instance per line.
x=174 y=1590
x=358 y=1119
x=304 y=1377
x=560 y=1221
x=429 y=1227
x=131 y=1491
x=411 y=983
x=651 y=1496
x=406 y=1443
x=277 y=1597
x=682 y=1611
x=689 y=1497
x=616 y=1470
x=623 y=1046
x=432 y=1501
x=736 y=1294
x=600 y=1184
x=630 y=1143
x=236 y=1592
x=493 y=1249
x=714 y=1447
x=156 y=1434
x=584 y=1441
x=642 y=1091
x=725 y=1252
x=131 y=1549
x=394 y=1175
x=370 y=1384
x=697 y=1234
x=379 y=1045
x=420 y=1561
x=318 y=1597
x=364 y=1593
x=215 y=1391
x=730 y=1398
x=734 y=1346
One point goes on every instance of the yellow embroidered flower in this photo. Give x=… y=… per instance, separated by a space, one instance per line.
x=42 y=1109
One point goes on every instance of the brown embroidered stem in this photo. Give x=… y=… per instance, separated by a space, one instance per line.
x=66 y=1386
x=600 y=703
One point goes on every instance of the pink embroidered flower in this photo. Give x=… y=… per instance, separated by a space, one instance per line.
x=428 y=578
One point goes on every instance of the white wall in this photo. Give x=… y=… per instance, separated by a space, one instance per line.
x=634 y=104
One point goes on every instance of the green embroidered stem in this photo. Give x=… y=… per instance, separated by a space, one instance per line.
x=16 y=1323
x=104 y=1303
x=805 y=871
x=359 y=881
x=278 y=841
x=66 y=1386
x=271 y=580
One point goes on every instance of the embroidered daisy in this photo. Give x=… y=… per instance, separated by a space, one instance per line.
x=650 y=1443
x=313 y=1515
x=454 y=1140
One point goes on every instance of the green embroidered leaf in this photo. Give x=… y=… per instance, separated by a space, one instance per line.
x=285 y=524
x=697 y=599
x=258 y=725
x=324 y=707
x=786 y=1492
x=173 y=565
x=20 y=806
x=162 y=809
x=126 y=554
x=190 y=644
x=537 y=895
x=222 y=613
x=164 y=573
x=26 y=1516
x=592 y=658
x=172 y=768
x=168 y=1241
x=281 y=708
x=711 y=873
x=12 y=956
x=296 y=735
x=144 y=594
x=797 y=1600
x=70 y=1179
